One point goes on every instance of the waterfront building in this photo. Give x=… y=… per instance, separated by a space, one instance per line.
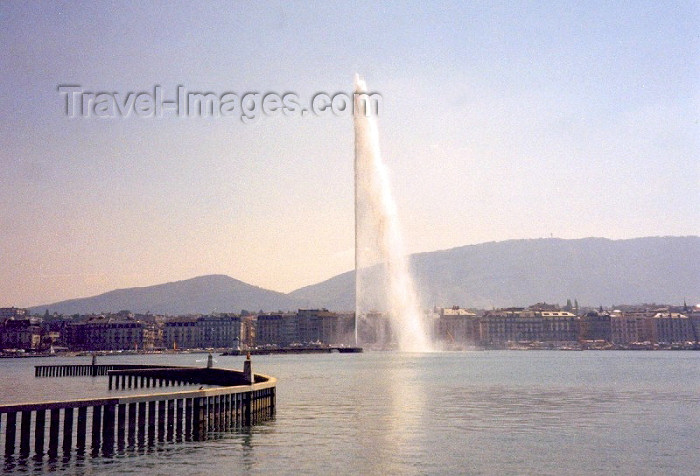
x=596 y=326
x=670 y=327
x=276 y=328
x=624 y=329
x=694 y=316
x=21 y=333
x=111 y=333
x=222 y=331
x=518 y=325
x=374 y=330
x=561 y=326
x=456 y=327
x=201 y=332
x=346 y=329
x=248 y=331
x=307 y=326
x=181 y=333
x=322 y=326
x=510 y=325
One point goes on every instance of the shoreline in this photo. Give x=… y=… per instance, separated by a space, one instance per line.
x=347 y=350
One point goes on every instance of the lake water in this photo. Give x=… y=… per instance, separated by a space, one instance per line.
x=488 y=412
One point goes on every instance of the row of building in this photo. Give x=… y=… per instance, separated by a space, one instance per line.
x=457 y=327
x=307 y=326
x=128 y=331
x=453 y=328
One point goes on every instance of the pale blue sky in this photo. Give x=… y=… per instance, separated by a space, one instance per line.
x=500 y=120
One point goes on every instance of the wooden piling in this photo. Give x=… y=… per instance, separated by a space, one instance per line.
x=81 y=430
x=67 y=430
x=171 y=420
x=188 y=418
x=39 y=426
x=226 y=412
x=108 y=420
x=178 y=419
x=247 y=409
x=25 y=432
x=96 y=426
x=161 y=420
x=209 y=418
x=142 y=423
x=10 y=431
x=131 y=438
x=198 y=422
x=151 y=422
x=54 y=429
x=121 y=426
x=214 y=414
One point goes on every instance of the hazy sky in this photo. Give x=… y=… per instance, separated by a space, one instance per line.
x=499 y=120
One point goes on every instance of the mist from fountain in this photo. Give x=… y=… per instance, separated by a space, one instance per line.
x=383 y=281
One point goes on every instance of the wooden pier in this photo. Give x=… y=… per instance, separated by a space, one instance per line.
x=103 y=426
x=296 y=350
x=85 y=370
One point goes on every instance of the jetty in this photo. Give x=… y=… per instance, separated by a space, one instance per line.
x=296 y=350
x=226 y=400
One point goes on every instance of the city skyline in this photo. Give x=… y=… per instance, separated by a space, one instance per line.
x=499 y=121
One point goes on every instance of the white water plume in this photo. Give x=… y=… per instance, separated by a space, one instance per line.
x=383 y=281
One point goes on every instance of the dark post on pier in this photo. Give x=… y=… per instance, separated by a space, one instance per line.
x=226 y=400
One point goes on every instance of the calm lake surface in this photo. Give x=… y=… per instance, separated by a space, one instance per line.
x=489 y=412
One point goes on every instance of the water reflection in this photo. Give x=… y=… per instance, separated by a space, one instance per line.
x=406 y=413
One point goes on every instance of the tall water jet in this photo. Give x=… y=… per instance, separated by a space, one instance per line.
x=383 y=281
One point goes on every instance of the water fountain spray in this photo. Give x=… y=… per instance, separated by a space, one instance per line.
x=382 y=274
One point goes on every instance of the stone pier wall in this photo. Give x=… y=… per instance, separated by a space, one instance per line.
x=103 y=426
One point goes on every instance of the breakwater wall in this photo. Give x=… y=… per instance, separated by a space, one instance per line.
x=297 y=350
x=103 y=426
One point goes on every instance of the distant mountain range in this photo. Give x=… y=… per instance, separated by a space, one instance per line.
x=508 y=273
x=201 y=295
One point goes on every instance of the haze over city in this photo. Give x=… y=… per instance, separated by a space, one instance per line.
x=514 y=121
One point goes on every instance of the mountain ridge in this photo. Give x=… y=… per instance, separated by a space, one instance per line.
x=198 y=295
x=524 y=271
x=498 y=273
